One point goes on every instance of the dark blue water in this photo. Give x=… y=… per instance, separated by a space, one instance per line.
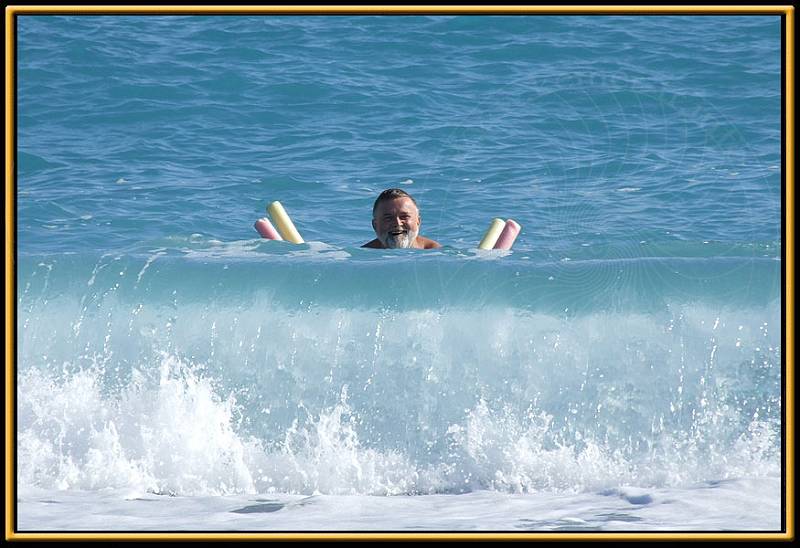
x=587 y=130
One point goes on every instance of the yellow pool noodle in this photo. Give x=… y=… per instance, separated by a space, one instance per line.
x=283 y=223
x=490 y=238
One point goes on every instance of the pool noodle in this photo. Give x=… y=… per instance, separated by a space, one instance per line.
x=265 y=228
x=490 y=238
x=284 y=223
x=509 y=234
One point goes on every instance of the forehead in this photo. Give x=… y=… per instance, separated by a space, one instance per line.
x=397 y=205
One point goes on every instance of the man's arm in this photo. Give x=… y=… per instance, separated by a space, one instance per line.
x=427 y=243
x=374 y=244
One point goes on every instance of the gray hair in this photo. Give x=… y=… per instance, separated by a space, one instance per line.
x=392 y=194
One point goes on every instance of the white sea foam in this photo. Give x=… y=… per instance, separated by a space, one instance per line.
x=747 y=504
x=350 y=402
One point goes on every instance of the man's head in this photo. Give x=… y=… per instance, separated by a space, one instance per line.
x=395 y=218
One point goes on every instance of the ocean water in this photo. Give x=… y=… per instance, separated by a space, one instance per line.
x=619 y=369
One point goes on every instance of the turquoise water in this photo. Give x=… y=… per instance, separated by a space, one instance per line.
x=631 y=337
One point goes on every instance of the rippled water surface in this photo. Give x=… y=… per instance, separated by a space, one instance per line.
x=624 y=356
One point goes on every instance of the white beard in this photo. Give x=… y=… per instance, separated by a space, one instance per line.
x=401 y=241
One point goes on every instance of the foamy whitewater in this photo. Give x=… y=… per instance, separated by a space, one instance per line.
x=618 y=370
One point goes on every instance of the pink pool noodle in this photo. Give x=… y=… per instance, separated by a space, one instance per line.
x=266 y=229
x=509 y=234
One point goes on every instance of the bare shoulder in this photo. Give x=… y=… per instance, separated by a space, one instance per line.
x=374 y=244
x=427 y=243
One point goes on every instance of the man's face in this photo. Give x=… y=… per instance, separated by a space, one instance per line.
x=396 y=223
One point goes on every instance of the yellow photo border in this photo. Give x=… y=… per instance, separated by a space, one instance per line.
x=786 y=11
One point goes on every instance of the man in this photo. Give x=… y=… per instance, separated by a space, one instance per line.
x=396 y=220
